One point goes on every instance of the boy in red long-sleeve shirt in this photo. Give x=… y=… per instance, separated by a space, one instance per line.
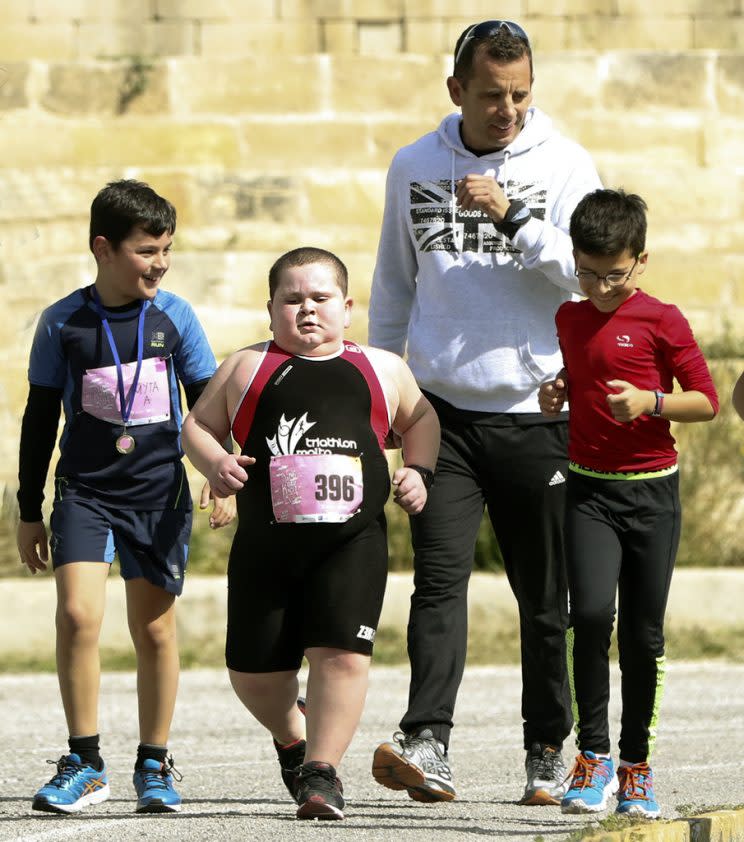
x=622 y=349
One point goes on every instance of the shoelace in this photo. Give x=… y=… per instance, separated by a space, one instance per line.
x=584 y=769
x=545 y=767
x=66 y=770
x=156 y=778
x=320 y=778
x=635 y=781
x=414 y=740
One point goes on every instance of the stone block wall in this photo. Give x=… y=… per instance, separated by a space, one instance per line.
x=76 y=29
x=271 y=123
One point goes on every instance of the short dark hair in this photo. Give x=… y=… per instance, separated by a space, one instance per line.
x=609 y=222
x=304 y=256
x=501 y=47
x=123 y=205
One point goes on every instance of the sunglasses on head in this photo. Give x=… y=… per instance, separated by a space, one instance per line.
x=487 y=28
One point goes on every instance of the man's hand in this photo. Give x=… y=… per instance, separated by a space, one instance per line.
x=629 y=402
x=482 y=192
x=409 y=491
x=33 y=547
x=552 y=395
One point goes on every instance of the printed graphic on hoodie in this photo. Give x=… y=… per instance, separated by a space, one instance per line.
x=432 y=204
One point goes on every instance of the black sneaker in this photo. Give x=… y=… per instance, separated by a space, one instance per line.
x=416 y=763
x=547 y=778
x=290 y=758
x=318 y=792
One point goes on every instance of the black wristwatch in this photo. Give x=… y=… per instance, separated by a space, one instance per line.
x=516 y=216
x=426 y=475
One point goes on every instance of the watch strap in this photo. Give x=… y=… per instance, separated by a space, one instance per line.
x=517 y=215
x=427 y=475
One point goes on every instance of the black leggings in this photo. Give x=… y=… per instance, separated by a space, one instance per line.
x=621 y=536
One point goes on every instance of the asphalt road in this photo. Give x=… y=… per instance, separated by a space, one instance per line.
x=232 y=789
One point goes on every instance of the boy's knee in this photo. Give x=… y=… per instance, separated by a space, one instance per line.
x=598 y=620
x=257 y=684
x=75 y=619
x=339 y=662
x=156 y=635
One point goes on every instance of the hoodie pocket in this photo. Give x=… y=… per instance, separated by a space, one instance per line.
x=534 y=367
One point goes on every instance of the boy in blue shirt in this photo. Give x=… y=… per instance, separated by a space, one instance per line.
x=113 y=354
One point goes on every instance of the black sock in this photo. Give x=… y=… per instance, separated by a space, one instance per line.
x=145 y=751
x=86 y=749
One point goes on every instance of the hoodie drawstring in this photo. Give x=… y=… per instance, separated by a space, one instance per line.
x=453 y=202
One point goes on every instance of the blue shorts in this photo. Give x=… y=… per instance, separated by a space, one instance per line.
x=153 y=545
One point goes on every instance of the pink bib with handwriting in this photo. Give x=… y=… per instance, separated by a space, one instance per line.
x=151 y=402
x=315 y=488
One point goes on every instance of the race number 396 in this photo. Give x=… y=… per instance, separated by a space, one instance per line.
x=316 y=487
x=334 y=487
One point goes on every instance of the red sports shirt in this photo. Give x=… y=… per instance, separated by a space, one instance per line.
x=644 y=342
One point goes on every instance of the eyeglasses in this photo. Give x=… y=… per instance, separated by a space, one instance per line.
x=613 y=279
x=489 y=27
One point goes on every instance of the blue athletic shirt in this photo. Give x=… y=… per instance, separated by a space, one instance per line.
x=70 y=343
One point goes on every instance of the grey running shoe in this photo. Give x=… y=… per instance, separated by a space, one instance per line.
x=547 y=779
x=416 y=763
x=318 y=792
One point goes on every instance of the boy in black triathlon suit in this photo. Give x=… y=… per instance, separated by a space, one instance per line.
x=307 y=571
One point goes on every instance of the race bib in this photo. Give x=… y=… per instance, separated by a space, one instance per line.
x=151 y=401
x=315 y=488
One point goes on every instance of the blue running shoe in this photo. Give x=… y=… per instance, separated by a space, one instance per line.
x=636 y=794
x=593 y=780
x=76 y=785
x=155 y=790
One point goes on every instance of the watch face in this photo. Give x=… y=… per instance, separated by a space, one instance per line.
x=521 y=215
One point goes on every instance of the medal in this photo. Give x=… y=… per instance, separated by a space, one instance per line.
x=125 y=442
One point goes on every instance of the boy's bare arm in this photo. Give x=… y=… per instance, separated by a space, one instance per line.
x=208 y=424
x=737 y=397
x=415 y=422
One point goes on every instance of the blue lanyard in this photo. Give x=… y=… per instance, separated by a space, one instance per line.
x=125 y=402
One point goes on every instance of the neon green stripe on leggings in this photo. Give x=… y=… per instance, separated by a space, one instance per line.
x=658 y=695
x=571 y=683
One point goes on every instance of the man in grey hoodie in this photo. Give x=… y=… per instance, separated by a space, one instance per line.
x=473 y=262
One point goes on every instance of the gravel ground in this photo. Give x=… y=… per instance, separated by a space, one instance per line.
x=232 y=790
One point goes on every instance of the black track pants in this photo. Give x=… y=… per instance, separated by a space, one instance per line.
x=508 y=469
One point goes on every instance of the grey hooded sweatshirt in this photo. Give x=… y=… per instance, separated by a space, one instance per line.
x=474 y=310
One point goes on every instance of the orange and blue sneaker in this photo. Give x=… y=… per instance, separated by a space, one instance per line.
x=76 y=785
x=636 y=794
x=593 y=780
x=153 y=782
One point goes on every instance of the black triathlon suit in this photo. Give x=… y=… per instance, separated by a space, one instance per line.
x=294 y=585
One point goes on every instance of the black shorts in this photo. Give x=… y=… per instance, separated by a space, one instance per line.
x=153 y=545
x=280 y=603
